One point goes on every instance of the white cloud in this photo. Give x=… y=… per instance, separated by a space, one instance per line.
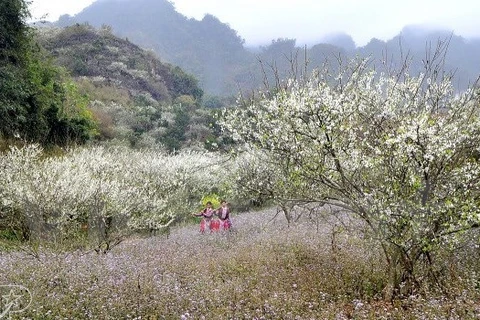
x=51 y=10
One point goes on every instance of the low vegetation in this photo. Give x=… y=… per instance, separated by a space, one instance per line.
x=265 y=269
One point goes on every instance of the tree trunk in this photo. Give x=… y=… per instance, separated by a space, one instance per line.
x=401 y=272
x=287 y=213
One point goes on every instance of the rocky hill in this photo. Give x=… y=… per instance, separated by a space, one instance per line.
x=209 y=49
x=107 y=60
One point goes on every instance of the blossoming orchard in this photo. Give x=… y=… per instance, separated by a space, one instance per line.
x=374 y=172
x=399 y=152
x=110 y=192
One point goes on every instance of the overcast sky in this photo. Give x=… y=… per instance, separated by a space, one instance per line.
x=260 y=21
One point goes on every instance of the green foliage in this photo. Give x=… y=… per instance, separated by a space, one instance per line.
x=35 y=103
x=175 y=132
x=14 y=32
x=213 y=198
x=185 y=84
x=8 y=234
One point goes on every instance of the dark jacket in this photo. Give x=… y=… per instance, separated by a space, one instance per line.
x=223 y=216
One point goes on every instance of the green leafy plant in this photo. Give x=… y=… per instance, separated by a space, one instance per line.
x=213 y=198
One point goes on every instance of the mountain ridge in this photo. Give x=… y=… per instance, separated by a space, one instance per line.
x=218 y=57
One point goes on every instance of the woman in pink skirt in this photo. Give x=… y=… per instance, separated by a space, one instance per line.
x=223 y=213
x=207 y=215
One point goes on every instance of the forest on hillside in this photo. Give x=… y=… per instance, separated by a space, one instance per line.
x=77 y=85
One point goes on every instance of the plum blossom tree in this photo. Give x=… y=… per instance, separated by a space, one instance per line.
x=255 y=178
x=399 y=152
x=113 y=191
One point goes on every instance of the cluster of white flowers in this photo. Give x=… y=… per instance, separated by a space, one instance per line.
x=144 y=189
x=401 y=152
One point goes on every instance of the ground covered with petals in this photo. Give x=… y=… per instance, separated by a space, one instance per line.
x=263 y=269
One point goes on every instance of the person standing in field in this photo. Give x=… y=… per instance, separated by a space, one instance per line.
x=207 y=215
x=223 y=213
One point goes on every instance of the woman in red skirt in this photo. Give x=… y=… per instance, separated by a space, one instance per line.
x=207 y=215
x=223 y=214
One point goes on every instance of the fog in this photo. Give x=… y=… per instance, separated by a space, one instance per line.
x=309 y=21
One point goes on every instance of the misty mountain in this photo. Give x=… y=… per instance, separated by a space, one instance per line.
x=108 y=61
x=341 y=40
x=209 y=49
x=418 y=45
x=216 y=55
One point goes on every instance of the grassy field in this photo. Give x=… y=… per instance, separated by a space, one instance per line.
x=265 y=269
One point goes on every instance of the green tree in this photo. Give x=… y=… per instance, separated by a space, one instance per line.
x=175 y=133
x=13 y=44
x=35 y=102
x=13 y=30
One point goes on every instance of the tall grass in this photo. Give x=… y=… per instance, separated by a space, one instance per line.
x=264 y=269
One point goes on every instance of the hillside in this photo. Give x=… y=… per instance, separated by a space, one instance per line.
x=98 y=55
x=209 y=49
x=135 y=98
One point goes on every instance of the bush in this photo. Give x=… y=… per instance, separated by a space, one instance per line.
x=113 y=191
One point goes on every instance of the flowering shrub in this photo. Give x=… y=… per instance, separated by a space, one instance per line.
x=110 y=191
x=400 y=152
x=257 y=179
